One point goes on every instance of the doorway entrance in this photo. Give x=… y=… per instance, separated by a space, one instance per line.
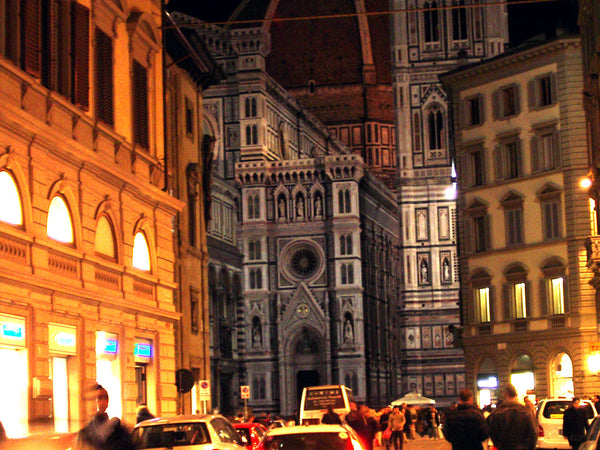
x=306 y=378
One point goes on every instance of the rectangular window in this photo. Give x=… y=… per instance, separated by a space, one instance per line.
x=483 y=304
x=508 y=101
x=104 y=77
x=519 y=300
x=514 y=226
x=542 y=91
x=508 y=160
x=476 y=168
x=551 y=218
x=513 y=160
x=189 y=118
x=140 y=105
x=545 y=151
x=545 y=87
x=480 y=233
x=557 y=295
x=475 y=110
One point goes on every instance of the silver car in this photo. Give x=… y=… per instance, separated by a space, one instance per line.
x=194 y=432
x=591 y=438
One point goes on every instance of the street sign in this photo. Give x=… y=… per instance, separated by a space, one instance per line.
x=184 y=380
x=204 y=391
x=594 y=347
x=245 y=392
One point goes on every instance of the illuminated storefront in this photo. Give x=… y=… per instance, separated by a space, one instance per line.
x=14 y=376
x=62 y=344
x=487 y=383
x=522 y=377
x=108 y=370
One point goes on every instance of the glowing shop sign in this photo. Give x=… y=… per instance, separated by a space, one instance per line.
x=64 y=339
x=143 y=350
x=13 y=331
x=110 y=346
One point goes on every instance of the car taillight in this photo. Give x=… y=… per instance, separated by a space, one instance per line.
x=540 y=431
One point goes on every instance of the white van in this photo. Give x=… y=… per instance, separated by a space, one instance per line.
x=316 y=399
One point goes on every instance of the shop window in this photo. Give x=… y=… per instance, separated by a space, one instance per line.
x=141 y=252
x=105 y=238
x=10 y=201
x=59 y=225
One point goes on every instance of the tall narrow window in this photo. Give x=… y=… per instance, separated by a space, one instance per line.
x=436 y=126
x=519 y=298
x=483 y=304
x=431 y=22
x=104 y=77
x=459 y=20
x=557 y=295
x=59 y=225
x=10 y=201
x=140 y=105
x=141 y=252
x=105 y=238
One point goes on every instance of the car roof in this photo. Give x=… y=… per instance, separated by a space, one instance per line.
x=187 y=418
x=299 y=429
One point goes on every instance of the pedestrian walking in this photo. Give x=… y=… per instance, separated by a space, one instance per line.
x=143 y=413
x=432 y=421
x=465 y=427
x=512 y=424
x=102 y=433
x=331 y=417
x=357 y=422
x=396 y=423
x=575 y=423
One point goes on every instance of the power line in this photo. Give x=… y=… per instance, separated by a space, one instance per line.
x=364 y=14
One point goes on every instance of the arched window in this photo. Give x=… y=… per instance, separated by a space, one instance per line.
x=60 y=225
x=436 y=126
x=10 y=200
x=344 y=274
x=256 y=207
x=349 y=249
x=341 y=201
x=141 y=252
x=105 y=238
x=248 y=135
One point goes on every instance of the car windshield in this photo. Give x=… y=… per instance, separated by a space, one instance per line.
x=556 y=409
x=171 y=435
x=307 y=441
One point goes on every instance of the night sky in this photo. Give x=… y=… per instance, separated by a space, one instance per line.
x=525 y=20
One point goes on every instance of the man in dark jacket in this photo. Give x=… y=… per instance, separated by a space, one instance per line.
x=331 y=417
x=465 y=427
x=575 y=423
x=358 y=422
x=102 y=433
x=512 y=424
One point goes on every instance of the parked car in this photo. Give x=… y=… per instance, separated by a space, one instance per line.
x=312 y=437
x=591 y=438
x=252 y=432
x=51 y=441
x=550 y=420
x=195 y=432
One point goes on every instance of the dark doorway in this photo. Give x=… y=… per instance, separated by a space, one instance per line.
x=306 y=378
x=226 y=398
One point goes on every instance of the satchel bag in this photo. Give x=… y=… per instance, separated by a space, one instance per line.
x=387 y=434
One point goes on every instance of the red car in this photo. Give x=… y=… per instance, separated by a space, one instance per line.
x=253 y=432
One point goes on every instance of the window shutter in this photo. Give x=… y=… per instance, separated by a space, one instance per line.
x=472 y=310
x=544 y=296
x=535 y=156
x=50 y=54
x=528 y=303
x=532 y=100
x=81 y=55
x=517 y=98
x=519 y=157
x=493 y=314
x=566 y=294
x=498 y=166
x=468 y=240
x=553 y=88
x=488 y=234
x=556 y=150
x=31 y=37
x=140 y=105
x=496 y=105
x=104 y=78
x=481 y=109
x=506 y=302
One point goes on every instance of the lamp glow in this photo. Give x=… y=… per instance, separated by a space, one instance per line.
x=585 y=183
x=594 y=362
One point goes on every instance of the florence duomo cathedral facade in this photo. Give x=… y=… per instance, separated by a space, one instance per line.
x=340 y=154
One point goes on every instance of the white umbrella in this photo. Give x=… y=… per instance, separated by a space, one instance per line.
x=412 y=398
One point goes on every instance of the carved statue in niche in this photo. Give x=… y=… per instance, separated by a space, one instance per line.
x=300 y=206
x=348 y=331
x=424 y=272
x=318 y=205
x=281 y=207
x=256 y=333
x=445 y=270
